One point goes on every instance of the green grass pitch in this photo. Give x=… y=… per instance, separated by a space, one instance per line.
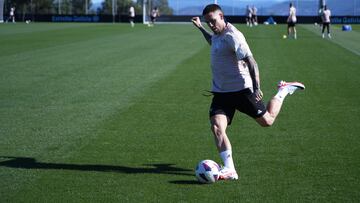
x=106 y=113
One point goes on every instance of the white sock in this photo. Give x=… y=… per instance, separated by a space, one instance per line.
x=226 y=156
x=281 y=94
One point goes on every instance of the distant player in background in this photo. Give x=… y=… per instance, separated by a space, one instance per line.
x=326 y=22
x=254 y=16
x=248 y=16
x=153 y=15
x=235 y=84
x=12 y=15
x=132 y=16
x=291 y=20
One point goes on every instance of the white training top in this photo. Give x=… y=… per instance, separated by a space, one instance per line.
x=132 y=12
x=229 y=70
x=326 y=16
x=248 y=12
x=154 y=13
x=254 y=10
x=292 y=14
x=12 y=11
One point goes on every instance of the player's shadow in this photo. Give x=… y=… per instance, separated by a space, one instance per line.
x=31 y=163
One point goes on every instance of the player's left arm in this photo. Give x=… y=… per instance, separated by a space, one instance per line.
x=255 y=76
x=242 y=51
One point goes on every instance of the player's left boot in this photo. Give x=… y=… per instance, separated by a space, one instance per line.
x=291 y=86
x=228 y=174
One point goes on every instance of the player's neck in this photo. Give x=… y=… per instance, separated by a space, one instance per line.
x=224 y=27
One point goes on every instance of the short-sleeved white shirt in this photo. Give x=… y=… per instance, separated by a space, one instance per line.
x=254 y=11
x=326 y=16
x=248 y=12
x=229 y=70
x=292 y=14
x=132 y=11
x=12 y=11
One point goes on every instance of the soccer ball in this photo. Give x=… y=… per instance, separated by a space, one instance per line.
x=284 y=36
x=207 y=171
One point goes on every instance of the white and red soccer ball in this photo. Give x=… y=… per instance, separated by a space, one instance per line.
x=207 y=171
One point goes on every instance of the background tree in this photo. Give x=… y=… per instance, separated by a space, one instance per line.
x=121 y=7
x=41 y=7
x=79 y=6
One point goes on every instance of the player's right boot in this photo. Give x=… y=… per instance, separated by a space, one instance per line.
x=291 y=86
x=228 y=174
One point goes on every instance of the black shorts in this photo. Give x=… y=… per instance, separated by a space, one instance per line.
x=244 y=101
x=291 y=24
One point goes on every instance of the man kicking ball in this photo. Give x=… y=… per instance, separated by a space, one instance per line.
x=236 y=83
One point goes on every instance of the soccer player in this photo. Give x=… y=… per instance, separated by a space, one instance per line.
x=254 y=15
x=326 y=22
x=12 y=15
x=235 y=84
x=291 y=20
x=248 y=16
x=132 y=16
x=153 y=15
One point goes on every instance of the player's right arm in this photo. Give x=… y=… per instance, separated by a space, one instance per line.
x=207 y=35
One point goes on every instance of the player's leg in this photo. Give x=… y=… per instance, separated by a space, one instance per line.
x=219 y=123
x=294 y=31
x=323 y=30
x=221 y=113
x=218 y=127
x=275 y=104
x=328 y=30
x=273 y=109
x=288 y=30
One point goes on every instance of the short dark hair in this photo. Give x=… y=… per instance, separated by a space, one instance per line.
x=211 y=8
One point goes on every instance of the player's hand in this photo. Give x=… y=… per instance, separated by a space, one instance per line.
x=258 y=94
x=196 y=21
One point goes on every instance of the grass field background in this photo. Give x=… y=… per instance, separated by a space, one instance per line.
x=106 y=113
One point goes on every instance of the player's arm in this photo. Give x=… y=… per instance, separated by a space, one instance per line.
x=255 y=76
x=207 y=35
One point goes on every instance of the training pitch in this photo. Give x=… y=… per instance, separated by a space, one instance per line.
x=107 y=113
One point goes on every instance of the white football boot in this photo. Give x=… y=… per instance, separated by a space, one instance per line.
x=291 y=86
x=228 y=174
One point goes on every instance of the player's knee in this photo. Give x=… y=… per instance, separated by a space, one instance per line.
x=266 y=122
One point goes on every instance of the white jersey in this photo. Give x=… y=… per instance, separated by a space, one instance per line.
x=254 y=11
x=229 y=70
x=12 y=11
x=326 y=16
x=154 y=13
x=132 y=12
x=248 y=12
x=292 y=15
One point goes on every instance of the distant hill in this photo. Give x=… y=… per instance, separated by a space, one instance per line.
x=304 y=8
